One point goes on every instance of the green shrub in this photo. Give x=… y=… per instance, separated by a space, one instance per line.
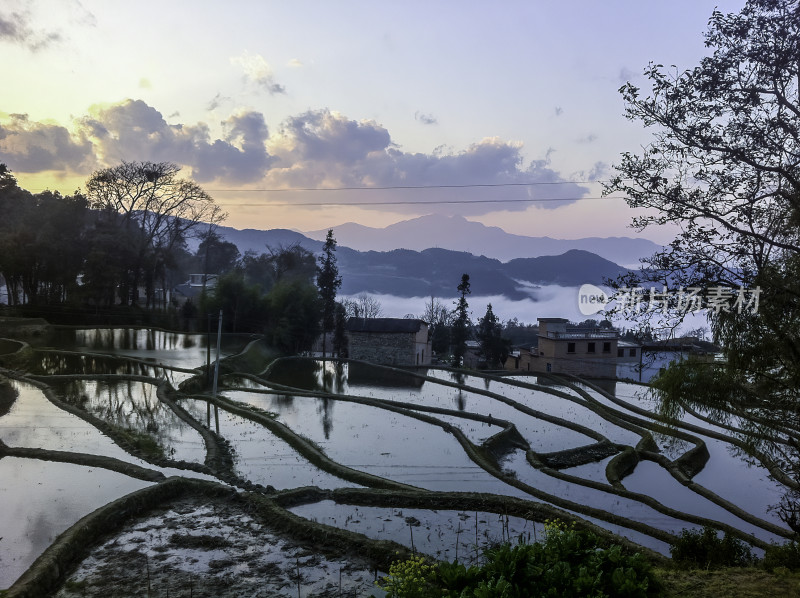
x=706 y=549
x=409 y=578
x=782 y=555
x=567 y=563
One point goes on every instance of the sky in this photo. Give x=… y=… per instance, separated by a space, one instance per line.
x=289 y=113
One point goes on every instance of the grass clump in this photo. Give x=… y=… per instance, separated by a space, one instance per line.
x=567 y=563
x=782 y=556
x=73 y=585
x=144 y=444
x=705 y=549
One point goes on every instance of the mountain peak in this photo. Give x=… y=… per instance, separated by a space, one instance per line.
x=457 y=233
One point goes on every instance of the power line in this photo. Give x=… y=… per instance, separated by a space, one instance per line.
x=415 y=203
x=390 y=187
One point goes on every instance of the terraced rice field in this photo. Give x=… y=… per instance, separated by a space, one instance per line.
x=323 y=459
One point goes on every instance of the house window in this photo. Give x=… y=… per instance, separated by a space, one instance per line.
x=591 y=348
x=549 y=367
x=606 y=347
x=620 y=352
x=570 y=347
x=632 y=352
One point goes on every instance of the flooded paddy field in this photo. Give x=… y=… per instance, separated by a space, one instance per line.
x=41 y=499
x=116 y=419
x=432 y=532
x=205 y=548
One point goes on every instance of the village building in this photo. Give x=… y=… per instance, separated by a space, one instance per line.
x=520 y=359
x=567 y=349
x=389 y=341
x=629 y=352
x=192 y=288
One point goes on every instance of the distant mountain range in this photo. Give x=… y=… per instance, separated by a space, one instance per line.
x=437 y=271
x=459 y=234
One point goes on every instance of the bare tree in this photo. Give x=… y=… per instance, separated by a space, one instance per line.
x=157 y=211
x=363 y=305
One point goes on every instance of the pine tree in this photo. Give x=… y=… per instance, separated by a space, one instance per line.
x=328 y=283
x=462 y=323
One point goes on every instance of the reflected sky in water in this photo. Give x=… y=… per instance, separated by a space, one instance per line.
x=41 y=499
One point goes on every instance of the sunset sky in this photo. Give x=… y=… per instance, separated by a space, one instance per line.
x=260 y=101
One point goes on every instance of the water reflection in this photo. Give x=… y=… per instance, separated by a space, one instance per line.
x=174 y=348
x=135 y=406
x=49 y=363
x=262 y=457
x=342 y=378
x=8 y=394
x=325 y=409
x=41 y=499
x=363 y=374
x=297 y=373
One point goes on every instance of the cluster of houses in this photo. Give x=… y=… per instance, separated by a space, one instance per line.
x=562 y=348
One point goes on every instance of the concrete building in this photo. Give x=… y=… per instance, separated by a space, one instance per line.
x=628 y=352
x=389 y=341
x=565 y=349
x=520 y=359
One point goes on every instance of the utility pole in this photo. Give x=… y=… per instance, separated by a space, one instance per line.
x=216 y=370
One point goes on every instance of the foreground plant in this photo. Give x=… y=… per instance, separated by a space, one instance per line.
x=706 y=549
x=412 y=577
x=567 y=563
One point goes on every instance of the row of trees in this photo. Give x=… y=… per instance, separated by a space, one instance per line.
x=43 y=242
x=125 y=243
x=284 y=293
x=127 y=232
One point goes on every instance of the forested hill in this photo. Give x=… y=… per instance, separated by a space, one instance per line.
x=407 y=273
x=437 y=272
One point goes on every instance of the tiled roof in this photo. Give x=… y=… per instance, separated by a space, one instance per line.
x=384 y=325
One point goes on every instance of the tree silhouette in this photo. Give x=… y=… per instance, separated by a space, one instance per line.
x=461 y=323
x=724 y=165
x=494 y=348
x=157 y=212
x=328 y=283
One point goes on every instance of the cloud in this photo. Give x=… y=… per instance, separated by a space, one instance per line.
x=425 y=119
x=590 y=138
x=216 y=102
x=559 y=110
x=28 y=146
x=317 y=149
x=133 y=130
x=258 y=71
x=144 y=83
x=599 y=171
x=16 y=28
x=295 y=63
x=325 y=149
